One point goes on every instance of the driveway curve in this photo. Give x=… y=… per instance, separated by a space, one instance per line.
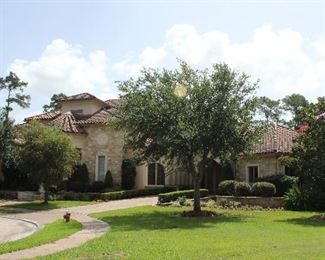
x=13 y=229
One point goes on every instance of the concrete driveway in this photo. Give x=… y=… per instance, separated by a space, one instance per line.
x=13 y=229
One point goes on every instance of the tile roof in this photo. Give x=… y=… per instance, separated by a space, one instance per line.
x=45 y=116
x=99 y=117
x=113 y=102
x=67 y=122
x=276 y=139
x=81 y=96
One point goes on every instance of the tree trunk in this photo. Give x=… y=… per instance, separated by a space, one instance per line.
x=46 y=195
x=197 y=197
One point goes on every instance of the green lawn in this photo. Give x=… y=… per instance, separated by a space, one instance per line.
x=38 y=205
x=51 y=232
x=159 y=233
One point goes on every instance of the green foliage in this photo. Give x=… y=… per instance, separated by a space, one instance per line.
x=172 y=196
x=128 y=174
x=97 y=186
x=234 y=188
x=54 y=104
x=108 y=180
x=270 y=109
x=295 y=104
x=47 y=155
x=263 y=189
x=282 y=182
x=227 y=187
x=187 y=115
x=242 y=189
x=308 y=156
x=296 y=199
x=15 y=88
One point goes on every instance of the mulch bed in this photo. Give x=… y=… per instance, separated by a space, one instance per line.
x=194 y=214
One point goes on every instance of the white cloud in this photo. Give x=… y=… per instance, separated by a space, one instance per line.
x=62 y=67
x=281 y=58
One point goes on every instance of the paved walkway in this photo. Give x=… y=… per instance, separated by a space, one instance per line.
x=92 y=227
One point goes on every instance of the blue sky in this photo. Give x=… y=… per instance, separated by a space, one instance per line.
x=85 y=46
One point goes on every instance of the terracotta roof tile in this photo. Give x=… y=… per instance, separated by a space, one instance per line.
x=277 y=139
x=99 y=117
x=114 y=103
x=68 y=123
x=45 y=116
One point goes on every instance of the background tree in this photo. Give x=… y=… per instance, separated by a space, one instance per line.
x=295 y=104
x=14 y=88
x=53 y=155
x=270 y=109
x=54 y=104
x=189 y=116
x=308 y=157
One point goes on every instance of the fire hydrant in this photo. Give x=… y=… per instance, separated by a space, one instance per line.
x=67 y=216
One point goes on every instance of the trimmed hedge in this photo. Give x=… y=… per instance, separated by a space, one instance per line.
x=263 y=189
x=234 y=188
x=282 y=182
x=172 y=196
x=227 y=187
x=115 y=195
x=242 y=189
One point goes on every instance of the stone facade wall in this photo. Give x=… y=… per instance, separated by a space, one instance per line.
x=102 y=140
x=267 y=165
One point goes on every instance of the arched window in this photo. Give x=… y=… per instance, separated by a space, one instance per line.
x=156 y=174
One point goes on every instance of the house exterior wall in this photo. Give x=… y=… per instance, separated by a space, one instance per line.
x=102 y=140
x=267 y=166
x=88 y=106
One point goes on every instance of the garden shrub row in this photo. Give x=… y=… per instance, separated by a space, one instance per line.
x=239 y=188
x=282 y=182
x=115 y=195
x=173 y=196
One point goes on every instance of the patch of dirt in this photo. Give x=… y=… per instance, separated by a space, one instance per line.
x=195 y=214
x=320 y=217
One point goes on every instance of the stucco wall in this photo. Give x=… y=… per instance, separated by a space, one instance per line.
x=267 y=165
x=88 y=106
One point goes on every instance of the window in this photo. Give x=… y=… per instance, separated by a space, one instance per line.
x=252 y=173
x=156 y=174
x=101 y=165
x=76 y=111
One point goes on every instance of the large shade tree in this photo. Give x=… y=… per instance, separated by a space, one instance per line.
x=47 y=155
x=188 y=116
x=12 y=88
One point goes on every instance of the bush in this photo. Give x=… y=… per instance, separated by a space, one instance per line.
x=128 y=174
x=295 y=199
x=108 y=180
x=76 y=186
x=242 y=189
x=282 y=182
x=97 y=186
x=78 y=181
x=227 y=188
x=263 y=189
x=173 y=196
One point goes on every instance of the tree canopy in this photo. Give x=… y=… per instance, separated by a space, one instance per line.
x=54 y=104
x=188 y=116
x=47 y=155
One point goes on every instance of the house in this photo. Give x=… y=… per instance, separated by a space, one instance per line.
x=102 y=148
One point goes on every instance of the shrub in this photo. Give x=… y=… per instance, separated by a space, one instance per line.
x=282 y=182
x=295 y=199
x=108 y=180
x=227 y=188
x=128 y=174
x=172 y=196
x=263 y=189
x=80 y=174
x=77 y=186
x=242 y=189
x=97 y=186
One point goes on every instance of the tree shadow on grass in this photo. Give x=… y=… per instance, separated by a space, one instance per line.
x=164 y=220
x=306 y=221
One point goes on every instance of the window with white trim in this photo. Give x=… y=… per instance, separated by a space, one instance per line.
x=252 y=172
x=156 y=174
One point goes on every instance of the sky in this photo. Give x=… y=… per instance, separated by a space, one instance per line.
x=87 y=46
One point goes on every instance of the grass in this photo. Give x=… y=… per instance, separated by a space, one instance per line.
x=51 y=232
x=160 y=233
x=39 y=205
